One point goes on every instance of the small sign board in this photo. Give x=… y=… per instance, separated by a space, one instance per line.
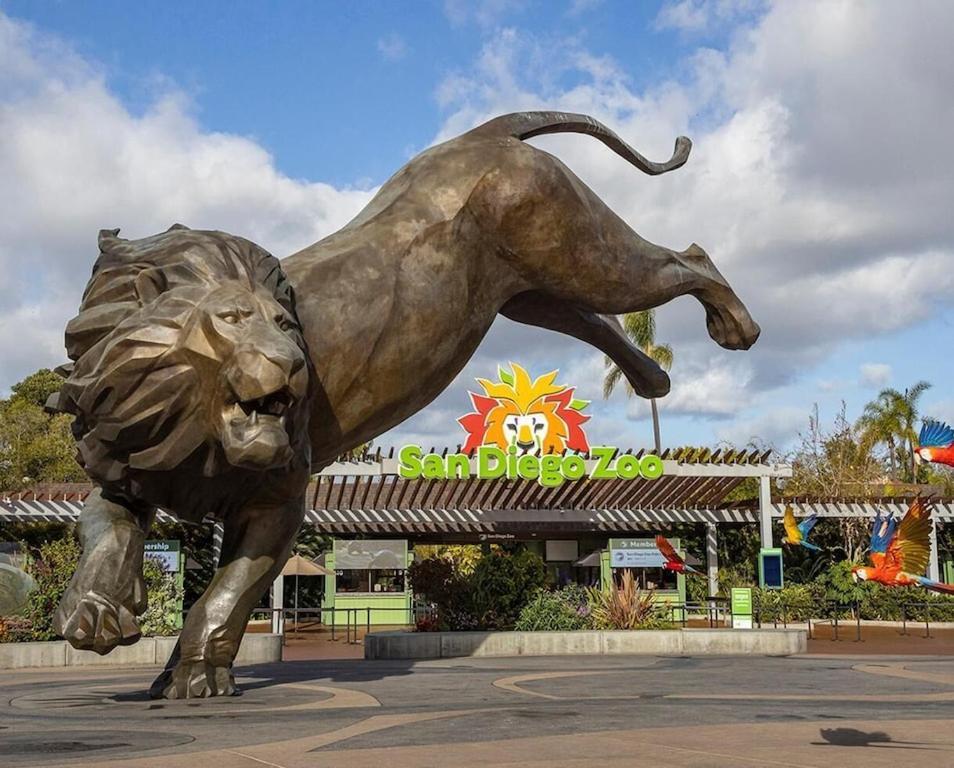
x=636 y=553
x=741 y=605
x=770 y=569
x=361 y=554
x=166 y=553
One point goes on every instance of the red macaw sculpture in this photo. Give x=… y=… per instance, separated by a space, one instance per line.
x=900 y=554
x=935 y=444
x=673 y=561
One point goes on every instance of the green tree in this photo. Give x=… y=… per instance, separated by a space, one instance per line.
x=891 y=419
x=881 y=423
x=35 y=446
x=640 y=327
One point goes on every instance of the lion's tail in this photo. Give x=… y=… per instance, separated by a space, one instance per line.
x=526 y=125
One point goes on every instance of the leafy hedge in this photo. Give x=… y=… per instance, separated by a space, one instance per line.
x=490 y=596
x=52 y=566
x=563 y=610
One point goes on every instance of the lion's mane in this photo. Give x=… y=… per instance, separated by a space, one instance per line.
x=134 y=390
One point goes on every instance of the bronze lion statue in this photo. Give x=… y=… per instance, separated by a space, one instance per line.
x=210 y=379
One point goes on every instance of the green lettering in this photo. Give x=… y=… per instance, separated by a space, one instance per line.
x=486 y=471
x=528 y=467
x=604 y=467
x=550 y=475
x=573 y=467
x=458 y=465
x=433 y=467
x=409 y=462
x=651 y=466
x=627 y=466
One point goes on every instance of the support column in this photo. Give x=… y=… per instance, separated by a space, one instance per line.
x=712 y=558
x=278 y=601
x=218 y=533
x=765 y=512
x=934 y=569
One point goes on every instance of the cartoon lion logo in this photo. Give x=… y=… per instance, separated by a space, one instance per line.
x=188 y=357
x=537 y=416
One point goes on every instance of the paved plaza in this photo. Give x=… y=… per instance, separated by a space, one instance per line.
x=813 y=710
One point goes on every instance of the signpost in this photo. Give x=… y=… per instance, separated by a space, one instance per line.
x=635 y=553
x=770 y=569
x=741 y=602
x=166 y=553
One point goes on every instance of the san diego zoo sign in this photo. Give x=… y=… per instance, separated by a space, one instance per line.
x=529 y=429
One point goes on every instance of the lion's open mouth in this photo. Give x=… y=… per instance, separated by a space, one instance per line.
x=275 y=404
x=254 y=430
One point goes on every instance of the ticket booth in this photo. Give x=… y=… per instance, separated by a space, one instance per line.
x=644 y=559
x=370 y=579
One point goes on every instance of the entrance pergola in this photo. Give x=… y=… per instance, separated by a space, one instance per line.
x=366 y=496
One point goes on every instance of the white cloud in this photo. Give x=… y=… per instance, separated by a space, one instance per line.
x=74 y=160
x=776 y=429
x=875 y=374
x=392 y=47
x=819 y=198
x=702 y=15
x=485 y=13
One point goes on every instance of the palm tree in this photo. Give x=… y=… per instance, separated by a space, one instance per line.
x=906 y=404
x=640 y=327
x=881 y=423
x=892 y=417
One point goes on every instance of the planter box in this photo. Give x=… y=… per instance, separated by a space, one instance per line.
x=258 y=648
x=674 y=642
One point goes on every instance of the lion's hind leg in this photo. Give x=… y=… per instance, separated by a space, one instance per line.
x=99 y=608
x=560 y=238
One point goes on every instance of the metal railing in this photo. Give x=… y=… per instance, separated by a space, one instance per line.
x=927 y=617
x=715 y=609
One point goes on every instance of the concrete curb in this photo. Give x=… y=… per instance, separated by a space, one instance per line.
x=148 y=652
x=668 y=642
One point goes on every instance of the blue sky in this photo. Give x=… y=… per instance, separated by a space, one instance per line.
x=812 y=191
x=341 y=92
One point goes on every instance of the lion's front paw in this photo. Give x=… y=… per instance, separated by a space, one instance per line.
x=94 y=622
x=194 y=680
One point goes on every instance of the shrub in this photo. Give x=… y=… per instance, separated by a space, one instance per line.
x=52 y=567
x=491 y=596
x=165 y=596
x=502 y=584
x=625 y=607
x=697 y=587
x=840 y=586
x=796 y=602
x=563 y=610
x=435 y=579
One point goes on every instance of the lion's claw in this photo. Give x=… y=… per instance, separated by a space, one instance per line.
x=95 y=622
x=194 y=680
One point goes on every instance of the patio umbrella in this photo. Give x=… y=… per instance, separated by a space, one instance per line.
x=302 y=566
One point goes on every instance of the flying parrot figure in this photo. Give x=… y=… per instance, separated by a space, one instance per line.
x=899 y=555
x=796 y=534
x=673 y=561
x=935 y=444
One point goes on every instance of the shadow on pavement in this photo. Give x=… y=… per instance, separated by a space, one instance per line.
x=852 y=737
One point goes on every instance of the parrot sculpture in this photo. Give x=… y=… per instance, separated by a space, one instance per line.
x=900 y=553
x=935 y=444
x=673 y=561
x=796 y=534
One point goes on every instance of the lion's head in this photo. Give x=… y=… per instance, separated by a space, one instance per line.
x=188 y=357
x=534 y=416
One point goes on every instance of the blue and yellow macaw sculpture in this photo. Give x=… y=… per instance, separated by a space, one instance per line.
x=796 y=534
